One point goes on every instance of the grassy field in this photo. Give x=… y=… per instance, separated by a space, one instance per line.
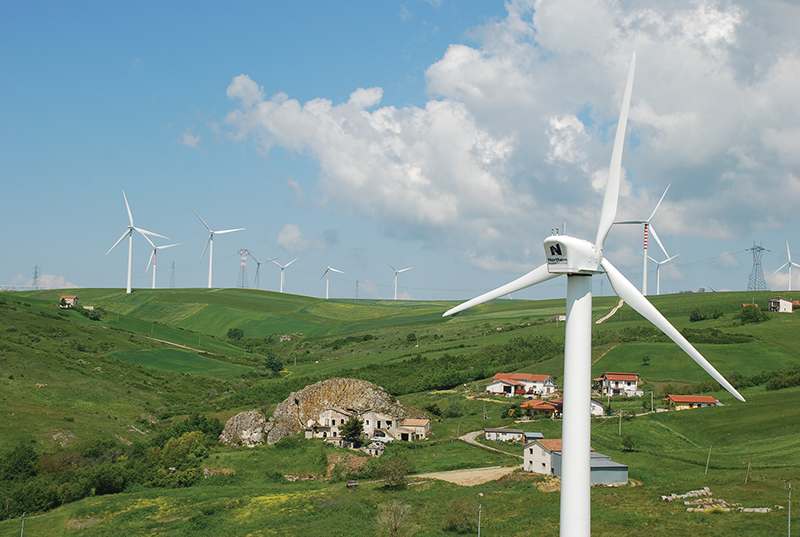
x=160 y=355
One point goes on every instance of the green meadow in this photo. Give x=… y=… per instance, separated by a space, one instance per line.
x=152 y=359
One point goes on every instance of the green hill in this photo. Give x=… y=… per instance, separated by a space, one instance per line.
x=152 y=358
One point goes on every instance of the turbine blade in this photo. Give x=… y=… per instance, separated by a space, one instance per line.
x=659 y=202
x=655 y=236
x=795 y=264
x=537 y=275
x=148 y=239
x=145 y=232
x=256 y=260
x=390 y=266
x=128 y=232
x=228 y=231
x=290 y=262
x=277 y=263
x=208 y=240
x=130 y=216
x=335 y=270
x=324 y=274
x=167 y=246
x=627 y=292
x=203 y=221
x=632 y=222
x=405 y=269
x=150 y=261
x=782 y=267
x=609 y=211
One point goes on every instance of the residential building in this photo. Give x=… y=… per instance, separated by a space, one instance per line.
x=511 y=384
x=376 y=424
x=544 y=457
x=780 y=305
x=68 y=302
x=535 y=407
x=595 y=407
x=684 y=402
x=614 y=384
x=504 y=435
x=413 y=429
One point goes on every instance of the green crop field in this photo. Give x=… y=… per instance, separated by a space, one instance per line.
x=107 y=391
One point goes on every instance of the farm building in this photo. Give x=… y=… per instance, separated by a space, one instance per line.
x=511 y=384
x=68 y=302
x=376 y=424
x=544 y=457
x=614 y=384
x=504 y=435
x=780 y=305
x=683 y=402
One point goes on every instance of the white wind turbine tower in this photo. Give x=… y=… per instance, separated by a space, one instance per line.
x=788 y=264
x=579 y=259
x=327 y=276
x=396 y=272
x=154 y=255
x=283 y=267
x=658 y=270
x=648 y=225
x=210 y=242
x=257 y=280
x=129 y=234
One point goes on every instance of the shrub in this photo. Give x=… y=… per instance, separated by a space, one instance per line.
x=751 y=315
x=461 y=517
x=235 y=333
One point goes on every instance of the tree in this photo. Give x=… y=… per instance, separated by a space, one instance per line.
x=646 y=360
x=628 y=443
x=353 y=430
x=697 y=315
x=751 y=314
x=272 y=362
x=393 y=471
x=411 y=337
x=394 y=519
x=235 y=333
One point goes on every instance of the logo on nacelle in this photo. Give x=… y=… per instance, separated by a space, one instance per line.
x=555 y=249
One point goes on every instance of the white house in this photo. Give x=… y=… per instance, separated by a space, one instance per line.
x=614 y=384
x=780 y=304
x=511 y=384
x=503 y=435
x=544 y=457
x=684 y=402
x=595 y=407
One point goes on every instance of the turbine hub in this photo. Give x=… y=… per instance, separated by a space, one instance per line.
x=570 y=255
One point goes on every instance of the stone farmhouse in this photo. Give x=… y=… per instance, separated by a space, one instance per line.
x=684 y=402
x=544 y=457
x=525 y=384
x=614 y=384
x=378 y=425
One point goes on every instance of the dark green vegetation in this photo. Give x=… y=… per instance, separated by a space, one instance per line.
x=97 y=408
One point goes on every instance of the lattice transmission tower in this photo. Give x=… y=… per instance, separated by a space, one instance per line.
x=756 y=281
x=172 y=276
x=242 y=283
x=37 y=282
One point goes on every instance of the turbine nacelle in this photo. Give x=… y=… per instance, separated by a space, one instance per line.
x=571 y=255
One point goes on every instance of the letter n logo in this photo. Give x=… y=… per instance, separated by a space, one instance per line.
x=555 y=250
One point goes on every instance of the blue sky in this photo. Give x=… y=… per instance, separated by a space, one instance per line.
x=447 y=136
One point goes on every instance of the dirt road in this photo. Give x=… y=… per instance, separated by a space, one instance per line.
x=473 y=476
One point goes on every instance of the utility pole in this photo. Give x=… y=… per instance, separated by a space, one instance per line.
x=25 y=513
x=708 y=461
x=790 y=511
x=480 y=509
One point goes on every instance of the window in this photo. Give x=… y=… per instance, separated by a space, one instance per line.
x=367 y=422
x=388 y=424
x=333 y=422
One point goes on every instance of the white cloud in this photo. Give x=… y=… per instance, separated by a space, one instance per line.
x=726 y=260
x=47 y=281
x=189 y=139
x=292 y=240
x=516 y=136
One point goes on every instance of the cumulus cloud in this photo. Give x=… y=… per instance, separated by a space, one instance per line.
x=292 y=240
x=47 y=281
x=517 y=133
x=189 y=139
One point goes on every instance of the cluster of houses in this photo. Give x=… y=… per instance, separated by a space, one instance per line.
x=378 y=426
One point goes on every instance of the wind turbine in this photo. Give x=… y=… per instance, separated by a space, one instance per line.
x=283 y=267
x=788 y=264
x=327 y=275
x=396 y=272
x=658 y=270
x=210 y=241
x=579 y=259
x=129 y=234
x=256 y=280
x=648 y=225
x=154 y=255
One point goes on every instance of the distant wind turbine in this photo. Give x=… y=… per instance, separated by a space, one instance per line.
x=283 y=267
x=788 y=264
x=396 y=272
x=658 y=270
x=129 y=233
x=648 y=225
x=579 y=259
x=210 y=242
x=327 y=276
x=154 y=255
x=257 y=280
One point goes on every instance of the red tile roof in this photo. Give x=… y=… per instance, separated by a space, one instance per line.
x=552 y=444
x=707 y=399
x=521 y=377
x=622 y=376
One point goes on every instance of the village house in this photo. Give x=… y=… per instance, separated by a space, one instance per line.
x=535 y=407
x=68 y=302
x=595 y=407
x=614 y=384
x=377 y=425
x=504 y=435
x=684 y=402
x=544 y=457
x=511 y=384
x=780 y=305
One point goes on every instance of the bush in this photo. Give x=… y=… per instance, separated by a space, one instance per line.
x=751 y=315
x=235 y=333
x=393 y=471
x=461 y=517
x=455 y=408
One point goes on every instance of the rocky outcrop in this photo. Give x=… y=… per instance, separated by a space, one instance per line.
x=245 y=429
x=301 y=408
